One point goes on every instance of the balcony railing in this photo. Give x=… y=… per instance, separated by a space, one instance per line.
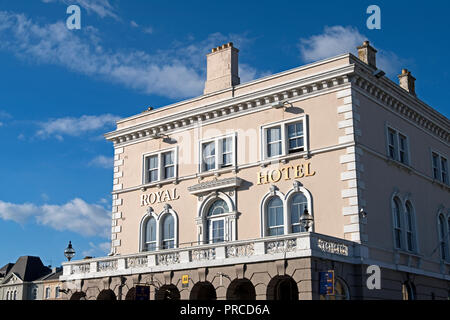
x=225 y=253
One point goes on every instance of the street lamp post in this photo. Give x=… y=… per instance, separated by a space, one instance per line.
x=69 y=252
x=306 y=220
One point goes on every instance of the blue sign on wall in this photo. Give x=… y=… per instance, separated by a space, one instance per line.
x=142 y=293
x=326 y=283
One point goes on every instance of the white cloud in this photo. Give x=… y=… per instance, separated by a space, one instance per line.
x=148 y=30
x=102 y=8
x=74 y=126
x=102 y=161
x=5 y=115
x=176 y=73
x=338 y=40
x=134 y=24
x=333 y=41
x=75 y=216
x=82 y=53
x=1 y=124
x=17 y=213
x=102 y=249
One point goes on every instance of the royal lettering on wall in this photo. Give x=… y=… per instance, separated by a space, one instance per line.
x=287 y=173
x=159 y=197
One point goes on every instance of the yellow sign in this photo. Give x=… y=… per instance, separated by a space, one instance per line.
x=287 y=173
x=185 y=281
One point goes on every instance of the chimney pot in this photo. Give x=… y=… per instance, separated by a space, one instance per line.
x=407 y=81
x=367 y=54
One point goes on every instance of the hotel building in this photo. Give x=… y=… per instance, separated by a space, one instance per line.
x=208 y=192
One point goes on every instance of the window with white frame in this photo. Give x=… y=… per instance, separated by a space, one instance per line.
x=168 y=232
x=398 y=225
x=284 y=138
x=34 y=294
x=15 y=295
x=440 y=168
x=57 y=292
x=47 y=293
x=398 y=146
x=150 y=235
x=410 y=227
x=217 y=153
x=443 y=237
x=298 y=205
x=275 y=217
x=160 y=166
x=216 y=221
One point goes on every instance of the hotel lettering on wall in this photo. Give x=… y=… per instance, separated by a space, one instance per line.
x=287 y=173
x=159 y=197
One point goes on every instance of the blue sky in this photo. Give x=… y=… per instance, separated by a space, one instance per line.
x=62 y=89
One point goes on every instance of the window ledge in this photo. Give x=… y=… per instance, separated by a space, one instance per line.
x=285 y=158
x=159 y=184
x=400 y=165
x=441 y=184
x=216 y=172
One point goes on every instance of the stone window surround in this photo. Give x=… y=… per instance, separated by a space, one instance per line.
x=159 y=225
x=286 y=200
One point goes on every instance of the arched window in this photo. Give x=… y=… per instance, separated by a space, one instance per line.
x=410 y=228
x=298 y=205
x=47 y=293
x=216 y=222
x=7 y=295
x=15 y=295
x=275 y=219
x=397 y=215
x=442 y=237
x=168 y=232
x=408 y=291
x=150 y=235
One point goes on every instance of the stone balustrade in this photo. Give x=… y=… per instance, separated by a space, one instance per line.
x=226 y=253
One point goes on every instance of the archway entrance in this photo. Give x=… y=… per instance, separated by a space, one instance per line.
x=131 y=294
x=282 y=288
x=241 y=289
x=203 y=291
x=106 y=295
x=167 y=292
x=78 y=296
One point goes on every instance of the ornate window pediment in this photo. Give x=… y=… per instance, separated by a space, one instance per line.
x=214 y=185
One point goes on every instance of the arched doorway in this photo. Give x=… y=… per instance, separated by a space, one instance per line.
x=106 y=295
x=78 y=296
x=203 y=291
x=408 y=291
x=282 y=288
x=167 y=292
x=131 y=294
x=241 y=289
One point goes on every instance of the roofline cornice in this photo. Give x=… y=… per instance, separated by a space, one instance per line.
x=306 y=86
x=234 y=88
x=401 y=102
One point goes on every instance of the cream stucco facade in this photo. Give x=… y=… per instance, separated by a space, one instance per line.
x=324 y=131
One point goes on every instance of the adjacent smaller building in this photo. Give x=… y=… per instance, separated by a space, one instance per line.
x=29 y=279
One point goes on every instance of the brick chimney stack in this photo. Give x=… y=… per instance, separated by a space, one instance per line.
x=367 y=54
x=407 y=81
x=222 y=68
